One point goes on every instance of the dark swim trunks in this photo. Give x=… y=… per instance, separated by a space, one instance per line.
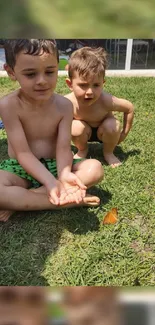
x=12 y=166
x=94 y=137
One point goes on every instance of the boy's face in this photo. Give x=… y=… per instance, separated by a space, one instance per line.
x=36 y=74
x=86 y=91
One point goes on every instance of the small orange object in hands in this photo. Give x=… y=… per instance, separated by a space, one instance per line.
x=111 y=217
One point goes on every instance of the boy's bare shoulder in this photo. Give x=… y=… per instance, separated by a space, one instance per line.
x=106 y=97
x=8 y=103
x=10 y=96
x=63 y=103
x=72 y=98
x=69 y=96
x=108 y=100
x=113 y=103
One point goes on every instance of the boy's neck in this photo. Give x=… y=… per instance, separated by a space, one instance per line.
x=32 y=102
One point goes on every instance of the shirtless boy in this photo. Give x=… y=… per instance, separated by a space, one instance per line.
x=93 y=107
x=38 y=127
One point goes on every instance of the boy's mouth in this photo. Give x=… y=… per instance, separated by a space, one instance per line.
x=41 y=90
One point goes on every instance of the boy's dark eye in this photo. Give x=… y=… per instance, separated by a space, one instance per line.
x=49 y=72
x=30 y=75
x=83 y=85
x=96 y=85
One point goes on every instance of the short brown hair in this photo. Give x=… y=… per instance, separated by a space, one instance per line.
x=30 y=46
x=88 y=61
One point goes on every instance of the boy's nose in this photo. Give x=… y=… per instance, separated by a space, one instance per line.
x=89 y=91
x=41 y=80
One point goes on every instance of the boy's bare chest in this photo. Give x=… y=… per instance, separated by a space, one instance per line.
x=39 y=126
x=90 y=114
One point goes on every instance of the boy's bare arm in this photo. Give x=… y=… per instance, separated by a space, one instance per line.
x=64 y=155
x=125 y=106
x=21 y=148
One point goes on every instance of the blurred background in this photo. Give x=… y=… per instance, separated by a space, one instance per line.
x=82 y=19
x=77 y=306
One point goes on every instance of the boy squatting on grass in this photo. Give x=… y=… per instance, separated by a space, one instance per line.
x=93 y=107
x=38 y=127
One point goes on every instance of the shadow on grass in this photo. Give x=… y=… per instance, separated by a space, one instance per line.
x=95 y=151
x=123 y=156
x=3 y=148
x=82 y=220
x=29 y=238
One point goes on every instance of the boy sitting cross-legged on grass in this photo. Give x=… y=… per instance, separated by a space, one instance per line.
x=38 y=127
x=93 y=107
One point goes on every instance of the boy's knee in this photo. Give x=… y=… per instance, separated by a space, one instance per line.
x=4 y=182
x=110 y=125
x=80 y=128
x=96 y=169
x=99 y=171
x=2 y=193
x=117 y=126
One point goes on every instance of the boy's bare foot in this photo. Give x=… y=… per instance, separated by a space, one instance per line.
x=90 y=200
x=81 y=154
x=112 y=160
x=5 y=215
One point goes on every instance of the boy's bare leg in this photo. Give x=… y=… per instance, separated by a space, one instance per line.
x=81 y=133
x=6 y=214
x=109 y=133
x=90 y=171
x=14 y=195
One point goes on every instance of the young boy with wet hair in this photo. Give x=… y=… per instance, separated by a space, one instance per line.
x=38 y=126
x=93 y=107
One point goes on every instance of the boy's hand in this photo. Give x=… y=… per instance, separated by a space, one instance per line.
x=122 y=137
x=57 y=194
x=53 y=192
x=74 y=188
x=69 y=190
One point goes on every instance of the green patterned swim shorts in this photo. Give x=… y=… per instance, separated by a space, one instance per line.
x=12 y=166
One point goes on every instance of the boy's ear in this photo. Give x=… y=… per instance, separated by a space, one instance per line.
x=10 y=72
x=69 y=83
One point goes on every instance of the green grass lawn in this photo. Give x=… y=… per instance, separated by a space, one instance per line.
x=72 y=247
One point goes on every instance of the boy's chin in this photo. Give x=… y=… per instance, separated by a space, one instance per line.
x=88 y=101
x=42 y=96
